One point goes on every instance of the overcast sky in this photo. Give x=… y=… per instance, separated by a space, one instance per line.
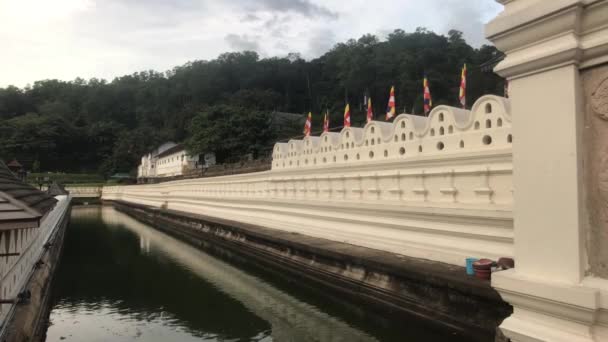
x=65 y=39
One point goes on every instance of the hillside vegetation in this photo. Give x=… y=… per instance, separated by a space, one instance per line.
x=225 y=104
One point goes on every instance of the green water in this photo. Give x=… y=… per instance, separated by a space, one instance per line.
x=121 y=280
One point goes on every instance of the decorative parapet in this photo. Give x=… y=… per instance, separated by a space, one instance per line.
x=446 y=131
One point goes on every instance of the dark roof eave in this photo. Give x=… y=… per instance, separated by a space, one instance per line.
x=171 y=150
x=9 y=224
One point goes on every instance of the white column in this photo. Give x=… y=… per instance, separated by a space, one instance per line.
x=547 y=174
x=547 y=44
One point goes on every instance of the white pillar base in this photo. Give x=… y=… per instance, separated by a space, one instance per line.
x=553 y=311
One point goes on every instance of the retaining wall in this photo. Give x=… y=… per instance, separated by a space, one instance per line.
x=382 y=281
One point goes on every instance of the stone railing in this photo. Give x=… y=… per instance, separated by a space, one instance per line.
x=444 y=204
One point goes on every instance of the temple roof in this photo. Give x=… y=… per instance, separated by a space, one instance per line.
x=21 y=205
x=56 y=189
x=14 y=163
x=174 y=149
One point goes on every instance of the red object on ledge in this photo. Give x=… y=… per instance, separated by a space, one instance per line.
x=483 y=268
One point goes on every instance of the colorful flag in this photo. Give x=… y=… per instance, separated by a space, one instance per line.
x=370 y=111
x=390 y=109
x=428 y=102
x=462 y=95
x=347 y=116
x=308 y=125
x=326 y=122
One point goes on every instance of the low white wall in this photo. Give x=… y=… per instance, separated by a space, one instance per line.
x=84 y=191
x=440 y=206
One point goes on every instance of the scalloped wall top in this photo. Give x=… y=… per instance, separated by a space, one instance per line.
x=447 y=130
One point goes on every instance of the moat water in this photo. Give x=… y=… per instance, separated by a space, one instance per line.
x=121 y=280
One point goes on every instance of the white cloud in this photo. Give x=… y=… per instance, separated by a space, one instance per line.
x=243 y=42
x=66 y=39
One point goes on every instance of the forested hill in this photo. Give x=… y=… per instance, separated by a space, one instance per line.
x=224 y=104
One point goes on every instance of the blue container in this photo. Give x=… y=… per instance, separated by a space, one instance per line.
x=470 y=261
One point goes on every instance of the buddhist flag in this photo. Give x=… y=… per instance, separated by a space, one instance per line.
x=462 y=95
x=308 y=125
x=428 y=102
x=390 y=109
x=347 y=116
x=326 y=122
x=370 y=111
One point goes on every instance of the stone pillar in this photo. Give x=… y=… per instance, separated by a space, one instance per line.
x=550 y=47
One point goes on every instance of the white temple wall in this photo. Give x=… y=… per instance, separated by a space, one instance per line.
x=442 y=204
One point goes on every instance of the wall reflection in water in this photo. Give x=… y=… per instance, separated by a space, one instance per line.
x=121 y=280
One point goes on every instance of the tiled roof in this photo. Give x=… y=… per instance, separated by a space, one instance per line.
x=20 y=201
x=55 y=189
x=169 y=151
x=13 y=212
x=162 y=148
x=14 y=163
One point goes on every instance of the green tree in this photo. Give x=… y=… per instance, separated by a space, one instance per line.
x=231 y=133
x=89 y=125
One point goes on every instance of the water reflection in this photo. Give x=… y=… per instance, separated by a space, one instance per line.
x=121 y=280
x=290 y=319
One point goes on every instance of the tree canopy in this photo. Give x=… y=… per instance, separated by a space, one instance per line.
x=225 y=104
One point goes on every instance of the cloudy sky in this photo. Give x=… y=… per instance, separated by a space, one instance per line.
x=64 y=39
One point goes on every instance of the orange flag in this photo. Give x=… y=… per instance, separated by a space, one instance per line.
x=347 y=116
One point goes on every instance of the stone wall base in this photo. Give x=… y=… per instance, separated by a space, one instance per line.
x=437 y=292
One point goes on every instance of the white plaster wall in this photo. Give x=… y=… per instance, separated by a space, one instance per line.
x=173 y=164
x=146 y=167
x=442 y=205
x=15 y=270
x=84 y=191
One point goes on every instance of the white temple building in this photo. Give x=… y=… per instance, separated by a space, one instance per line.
x=170 y=160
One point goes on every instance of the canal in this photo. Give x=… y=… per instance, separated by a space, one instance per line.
x=121 y=280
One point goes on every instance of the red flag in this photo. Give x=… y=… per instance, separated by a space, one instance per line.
x=308 y=125
x=462 y=95
x=347 y=116
x=390 y=109
x=370 y=112
x=428 y=102
x=326 y=123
